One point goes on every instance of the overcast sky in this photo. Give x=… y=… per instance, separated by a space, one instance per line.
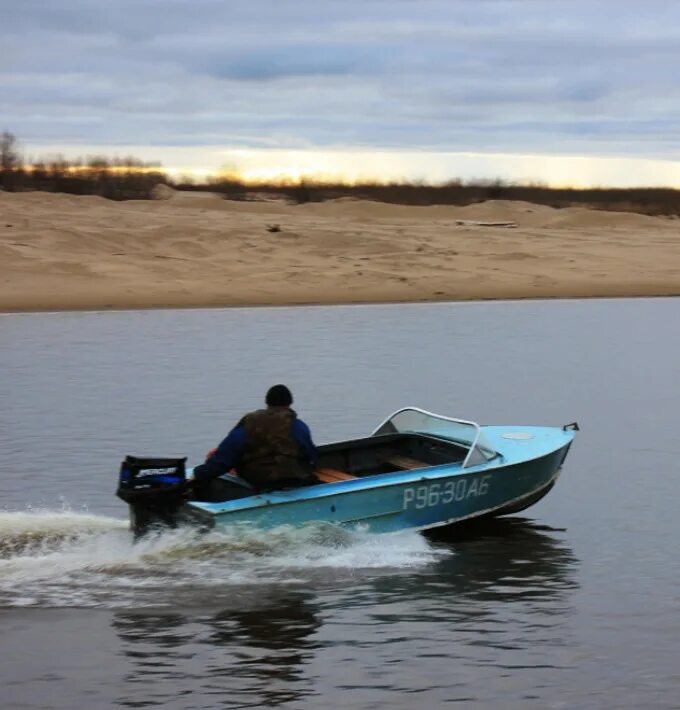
x=544 y=89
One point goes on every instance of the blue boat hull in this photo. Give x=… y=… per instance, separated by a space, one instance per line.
x=417 y=500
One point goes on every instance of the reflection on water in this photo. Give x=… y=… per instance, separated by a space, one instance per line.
x=254 y=652
x=507 y=556
x=502 y=582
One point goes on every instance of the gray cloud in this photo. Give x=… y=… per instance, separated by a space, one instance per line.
x=564 y=76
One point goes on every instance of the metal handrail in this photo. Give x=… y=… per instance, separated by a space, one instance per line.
x=476 y=426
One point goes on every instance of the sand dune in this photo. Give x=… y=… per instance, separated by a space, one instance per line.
x=71 y=252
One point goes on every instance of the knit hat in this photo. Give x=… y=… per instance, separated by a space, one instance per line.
x=279 y=396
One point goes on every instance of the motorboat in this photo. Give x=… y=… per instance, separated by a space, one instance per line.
x=416 y=471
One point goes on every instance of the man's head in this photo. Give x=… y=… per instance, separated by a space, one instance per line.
x=279 y=396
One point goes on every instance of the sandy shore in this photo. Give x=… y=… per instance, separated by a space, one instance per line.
x=66 y=252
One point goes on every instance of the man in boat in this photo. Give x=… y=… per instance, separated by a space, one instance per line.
x=269 y=448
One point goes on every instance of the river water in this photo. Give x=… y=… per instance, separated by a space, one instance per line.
x=574 y=603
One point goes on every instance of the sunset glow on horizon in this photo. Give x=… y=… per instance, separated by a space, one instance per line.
x=365 y=166
x=351 y=166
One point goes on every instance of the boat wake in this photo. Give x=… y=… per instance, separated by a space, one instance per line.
x=62 y=558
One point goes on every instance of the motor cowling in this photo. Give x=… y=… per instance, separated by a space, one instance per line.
x=155 y=489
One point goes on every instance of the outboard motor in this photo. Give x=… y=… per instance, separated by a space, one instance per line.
x=155 y=491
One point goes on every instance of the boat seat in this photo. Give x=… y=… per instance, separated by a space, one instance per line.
x=405 y=462
x=332 y=475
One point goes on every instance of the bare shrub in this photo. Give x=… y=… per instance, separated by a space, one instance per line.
x=10 y=160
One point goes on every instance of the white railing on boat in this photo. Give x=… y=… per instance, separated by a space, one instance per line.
x=472 y=439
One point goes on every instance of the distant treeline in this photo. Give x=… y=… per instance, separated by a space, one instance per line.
x=116 y=179
x=133 y=179
x=651 y=201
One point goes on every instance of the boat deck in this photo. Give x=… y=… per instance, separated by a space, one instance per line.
x=331 y=475
x=357 y=459
x=387 y=453
x=400 y=463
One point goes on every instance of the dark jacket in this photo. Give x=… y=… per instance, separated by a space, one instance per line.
x=269 y=448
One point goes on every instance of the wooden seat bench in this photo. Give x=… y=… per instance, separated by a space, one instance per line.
x=332 y=475
x=406 y=463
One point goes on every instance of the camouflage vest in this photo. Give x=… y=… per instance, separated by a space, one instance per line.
x=270 y=453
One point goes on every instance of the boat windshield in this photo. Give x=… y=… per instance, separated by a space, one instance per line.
x=418 y=421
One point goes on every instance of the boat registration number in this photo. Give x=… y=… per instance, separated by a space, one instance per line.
x=433 y=494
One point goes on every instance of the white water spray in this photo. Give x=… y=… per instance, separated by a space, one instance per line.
x=57 y=558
